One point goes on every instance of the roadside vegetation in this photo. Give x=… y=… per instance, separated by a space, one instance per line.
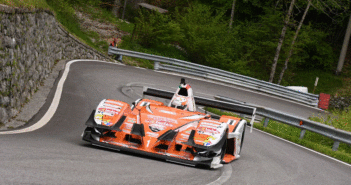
x=310 y=140
x=198 y=31
x=31 y=4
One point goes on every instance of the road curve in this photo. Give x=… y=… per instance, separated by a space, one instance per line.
x=55 y=153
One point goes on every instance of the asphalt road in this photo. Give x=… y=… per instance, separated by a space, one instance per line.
x=56 y=154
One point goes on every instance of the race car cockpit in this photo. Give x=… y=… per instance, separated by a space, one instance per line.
x=183 y=98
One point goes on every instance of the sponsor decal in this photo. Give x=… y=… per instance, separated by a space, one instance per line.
x=127 y=131
x=128 y=125
x=209 y=124
x=98 y=116
x=212 y=121
x=167 y=112
x=197 y=116
x=131 y=120
x=151 y=134
x=157 y=123
x=106 y=122
x=113 y=102
x=187 y=126
x=110 y=106
x=127 y=111
x=199 y=141
x=109 y=111
x=181 y=99
x=180 y=140
x=185 y=136
x=208 y=140
x=208 y=130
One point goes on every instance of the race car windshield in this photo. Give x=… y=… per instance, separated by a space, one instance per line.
x=179 y=107
x=183 y=92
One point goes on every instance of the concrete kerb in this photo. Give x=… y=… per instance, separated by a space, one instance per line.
x=37 y=101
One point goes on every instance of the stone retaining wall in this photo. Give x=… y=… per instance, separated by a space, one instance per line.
x=340 y=103
x=31 y=41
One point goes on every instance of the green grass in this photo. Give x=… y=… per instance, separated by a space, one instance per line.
x=328 y=83
x=102 y=15
x=138 y=62
x=125 y=26
x=338 y=119
x=26 y=3
x=65 y=14
x=161 y=50
x=311 y=140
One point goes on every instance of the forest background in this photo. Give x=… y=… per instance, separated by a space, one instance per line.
x=242 y=36
x=289 y=42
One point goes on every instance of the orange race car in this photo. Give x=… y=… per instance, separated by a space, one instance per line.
x=176 y=132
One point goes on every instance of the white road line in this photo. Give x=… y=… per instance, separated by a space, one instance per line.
x=141 y=68
x=347 y=164
x=55 y=102
x=227 y=168
x=119 y=63
x=226 y=174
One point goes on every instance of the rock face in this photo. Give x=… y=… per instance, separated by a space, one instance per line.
x=340 y=103
x=30 y=43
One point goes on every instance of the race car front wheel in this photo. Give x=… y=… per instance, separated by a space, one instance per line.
x=242 y=139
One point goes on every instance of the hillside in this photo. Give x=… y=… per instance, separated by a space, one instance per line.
x=247 y=49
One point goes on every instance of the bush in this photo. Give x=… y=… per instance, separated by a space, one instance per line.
x=154 y=28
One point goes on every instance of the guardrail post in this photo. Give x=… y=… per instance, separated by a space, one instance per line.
x=156 y=65
x=302 y=133
x=266 y=120
x=336 y=145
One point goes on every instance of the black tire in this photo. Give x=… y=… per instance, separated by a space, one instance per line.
x=242 y=139
x=224 y=149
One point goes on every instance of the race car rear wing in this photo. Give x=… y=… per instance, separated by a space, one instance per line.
x=239 y=108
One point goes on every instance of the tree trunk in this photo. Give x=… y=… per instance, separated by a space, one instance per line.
x=293 y=42
x=344 y=48
x=276 y=4
x=280 y=43
x=124 y=9
x=116 y=7
x=232 y=15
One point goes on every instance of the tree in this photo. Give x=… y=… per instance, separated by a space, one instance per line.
x=124 y=9
x=155 y=29
x=344 y=48
x=280 y=43
x=116 y=6
x=232 y=15
x=293 y=42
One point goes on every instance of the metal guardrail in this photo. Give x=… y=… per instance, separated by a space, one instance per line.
x=180 y=66
x=185 y=67
x=302 y=123
x=267 y=113
x=251 y=109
